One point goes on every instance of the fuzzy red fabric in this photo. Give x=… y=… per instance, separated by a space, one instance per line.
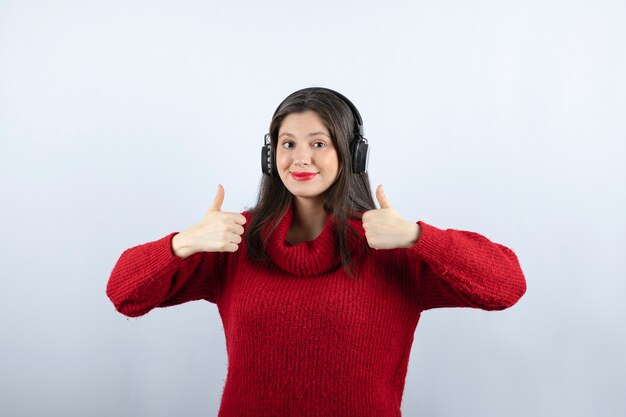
x=305 y=339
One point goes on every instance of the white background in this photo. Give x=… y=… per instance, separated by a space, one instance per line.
x=119 y=118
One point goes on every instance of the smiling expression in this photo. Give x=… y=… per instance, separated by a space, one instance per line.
x=305 y=146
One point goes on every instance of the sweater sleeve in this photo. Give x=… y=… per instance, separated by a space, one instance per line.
x=456 y=268
x=150 y=275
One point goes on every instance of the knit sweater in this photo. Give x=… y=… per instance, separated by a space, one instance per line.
x=302 y=337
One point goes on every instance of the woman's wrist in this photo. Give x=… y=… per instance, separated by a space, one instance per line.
x=416 y=232
x=180 y=247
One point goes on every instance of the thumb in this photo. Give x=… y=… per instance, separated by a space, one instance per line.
x=218 y=200
x=382 y=198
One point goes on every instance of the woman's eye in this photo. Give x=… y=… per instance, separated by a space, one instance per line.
x=288 y=144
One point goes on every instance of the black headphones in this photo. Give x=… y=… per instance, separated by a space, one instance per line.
x=359 y=155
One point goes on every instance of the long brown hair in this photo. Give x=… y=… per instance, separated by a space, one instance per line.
x=349 y=194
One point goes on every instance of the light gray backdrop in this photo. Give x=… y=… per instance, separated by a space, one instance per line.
x=118 y=119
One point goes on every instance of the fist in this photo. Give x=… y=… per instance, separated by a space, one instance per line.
x=217 y=231
x=385 y=228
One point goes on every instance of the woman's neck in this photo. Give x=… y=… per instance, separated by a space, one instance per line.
x=308 y=222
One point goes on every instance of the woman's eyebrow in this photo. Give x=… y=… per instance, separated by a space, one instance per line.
x=310 y=135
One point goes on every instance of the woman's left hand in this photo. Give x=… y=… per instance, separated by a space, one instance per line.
x=385 y=228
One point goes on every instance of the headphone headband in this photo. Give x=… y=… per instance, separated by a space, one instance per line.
x=355 y=111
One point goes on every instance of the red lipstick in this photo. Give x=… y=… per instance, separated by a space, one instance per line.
x=303 y=176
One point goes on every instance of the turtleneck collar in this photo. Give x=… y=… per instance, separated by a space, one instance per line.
x=313 y=257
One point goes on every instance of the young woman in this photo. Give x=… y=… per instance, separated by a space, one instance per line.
x=319 y=291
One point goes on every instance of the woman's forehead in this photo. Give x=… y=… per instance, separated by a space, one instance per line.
x=308 y=123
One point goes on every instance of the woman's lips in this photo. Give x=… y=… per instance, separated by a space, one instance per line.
x=303 y=176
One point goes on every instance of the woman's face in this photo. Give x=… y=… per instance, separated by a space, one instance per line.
x=304 y=146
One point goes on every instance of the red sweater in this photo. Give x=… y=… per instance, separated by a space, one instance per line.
x=302 y=337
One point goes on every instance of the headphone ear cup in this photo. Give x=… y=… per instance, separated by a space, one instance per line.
x=268 y=161
x=360 y=155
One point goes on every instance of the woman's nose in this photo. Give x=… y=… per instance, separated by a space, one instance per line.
x=302 y=157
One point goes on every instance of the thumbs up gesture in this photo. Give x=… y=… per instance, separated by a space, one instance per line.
x=385 y=228
x=217 y=231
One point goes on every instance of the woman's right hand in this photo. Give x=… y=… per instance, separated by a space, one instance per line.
x=217 y=231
